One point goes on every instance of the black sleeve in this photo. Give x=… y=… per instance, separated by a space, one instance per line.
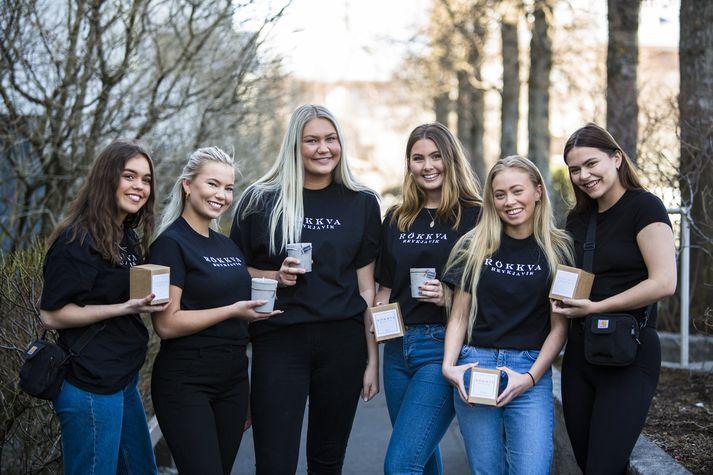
x=649 y=209
x=385 y=264
x=372 y=233
x=69 y=274
x=240 y=230
x=166 y=251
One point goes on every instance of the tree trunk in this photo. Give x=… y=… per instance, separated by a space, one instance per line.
x=509 y=112
x=442 y=107
x=695 y=102
x=471 y=115
x=622 y=60
x=538 y=116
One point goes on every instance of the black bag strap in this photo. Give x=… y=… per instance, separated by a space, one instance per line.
x=588 y=260
x=589 y=243
x=86 y=337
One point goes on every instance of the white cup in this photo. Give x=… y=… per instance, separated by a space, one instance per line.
x=264 y=289
x=418 y=277
x=303 y=252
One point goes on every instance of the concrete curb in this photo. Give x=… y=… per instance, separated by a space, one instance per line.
x=646 y=459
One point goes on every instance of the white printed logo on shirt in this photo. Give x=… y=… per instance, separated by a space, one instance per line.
x=320 y=223
x=223 y=261
x=517 y=270
x=422 y=238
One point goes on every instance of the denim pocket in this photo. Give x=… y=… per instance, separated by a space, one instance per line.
x=438 y=333
x=532 y=354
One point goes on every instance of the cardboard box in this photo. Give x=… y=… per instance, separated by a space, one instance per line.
x=484 y=386
x=150 y=279
x=571 y=283
x=388 y=323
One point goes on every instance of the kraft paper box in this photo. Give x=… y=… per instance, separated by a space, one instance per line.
x=150 y=279
x=388 y=323
x=484 y=386
x=571 y=283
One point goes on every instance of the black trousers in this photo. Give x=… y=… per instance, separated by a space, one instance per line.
x=322 y=362
x=605 y=407
x=201 y=402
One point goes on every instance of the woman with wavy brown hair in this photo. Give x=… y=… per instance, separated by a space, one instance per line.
x=441 y=202
x=86 y=288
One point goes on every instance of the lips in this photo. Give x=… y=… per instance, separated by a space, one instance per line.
x=215 y=205
x=590 y=185
x=134 y=198
x=431 y=177
x=515 y=212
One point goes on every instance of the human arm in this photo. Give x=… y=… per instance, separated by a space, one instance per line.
x=656 y=243
x=456 y=330
x=172 y=322
x=518 y=383
x=72 y=315
x=367 y=290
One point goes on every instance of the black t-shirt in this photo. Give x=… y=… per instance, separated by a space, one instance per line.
x=76 y=273
x=513 y=303
x=211 y=272
x=343 y=227
x=421 y=246
x=618 y=264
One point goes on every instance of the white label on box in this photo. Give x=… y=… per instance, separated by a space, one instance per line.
x=159 y=285
x=565 y=283
x=484 y=385
x=386 y=322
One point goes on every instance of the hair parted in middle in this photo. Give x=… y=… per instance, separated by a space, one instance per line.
x=460 y=185
x=284 y=181
x=484 y=240
x=177 y=201
x=94 y=211
x=594 y=136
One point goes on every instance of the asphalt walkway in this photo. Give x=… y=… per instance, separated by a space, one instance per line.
x=367 y=445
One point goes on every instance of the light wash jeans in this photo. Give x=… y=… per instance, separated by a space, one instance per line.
x=517 y=438
x=419 y=399
x=104 y=433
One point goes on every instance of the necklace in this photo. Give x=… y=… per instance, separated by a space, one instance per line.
x=433 y=220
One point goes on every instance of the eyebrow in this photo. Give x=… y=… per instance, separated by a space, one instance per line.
x=131 y=170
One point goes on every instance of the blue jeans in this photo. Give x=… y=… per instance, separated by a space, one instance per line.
x=419 y=399
x=517 y=438
x=104 y=433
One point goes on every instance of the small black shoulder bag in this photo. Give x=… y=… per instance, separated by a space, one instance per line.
x=46 y=363
x=610 y=339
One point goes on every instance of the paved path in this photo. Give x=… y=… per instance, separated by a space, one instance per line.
x=367 y=445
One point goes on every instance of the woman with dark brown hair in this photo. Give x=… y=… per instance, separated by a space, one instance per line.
x=86 y=289
x=634 y=262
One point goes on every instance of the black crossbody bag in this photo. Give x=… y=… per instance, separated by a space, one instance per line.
x=610 y=339
x=46 y=363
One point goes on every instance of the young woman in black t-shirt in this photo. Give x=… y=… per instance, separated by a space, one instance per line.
x=86 y=283
x=440 y=202
x=199 y=382
x=635 y=266
x=501 y=272
x=319 y=349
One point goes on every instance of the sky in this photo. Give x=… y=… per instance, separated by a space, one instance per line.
x=337 y=40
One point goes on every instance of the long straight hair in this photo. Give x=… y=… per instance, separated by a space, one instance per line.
x=177 y=202
x=591 y=135
x=460 y=185
x=484 y=240
x=284 y=182
x=95 y=210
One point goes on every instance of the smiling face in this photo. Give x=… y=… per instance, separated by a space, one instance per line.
x=425 y=164
x=594 y=172
x=321 y=152
x=209 y=193
x=134 y=186
x=515 y=197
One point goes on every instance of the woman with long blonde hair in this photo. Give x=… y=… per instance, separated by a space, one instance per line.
x=319 y=349
x=501 y=318
x=440 y=203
